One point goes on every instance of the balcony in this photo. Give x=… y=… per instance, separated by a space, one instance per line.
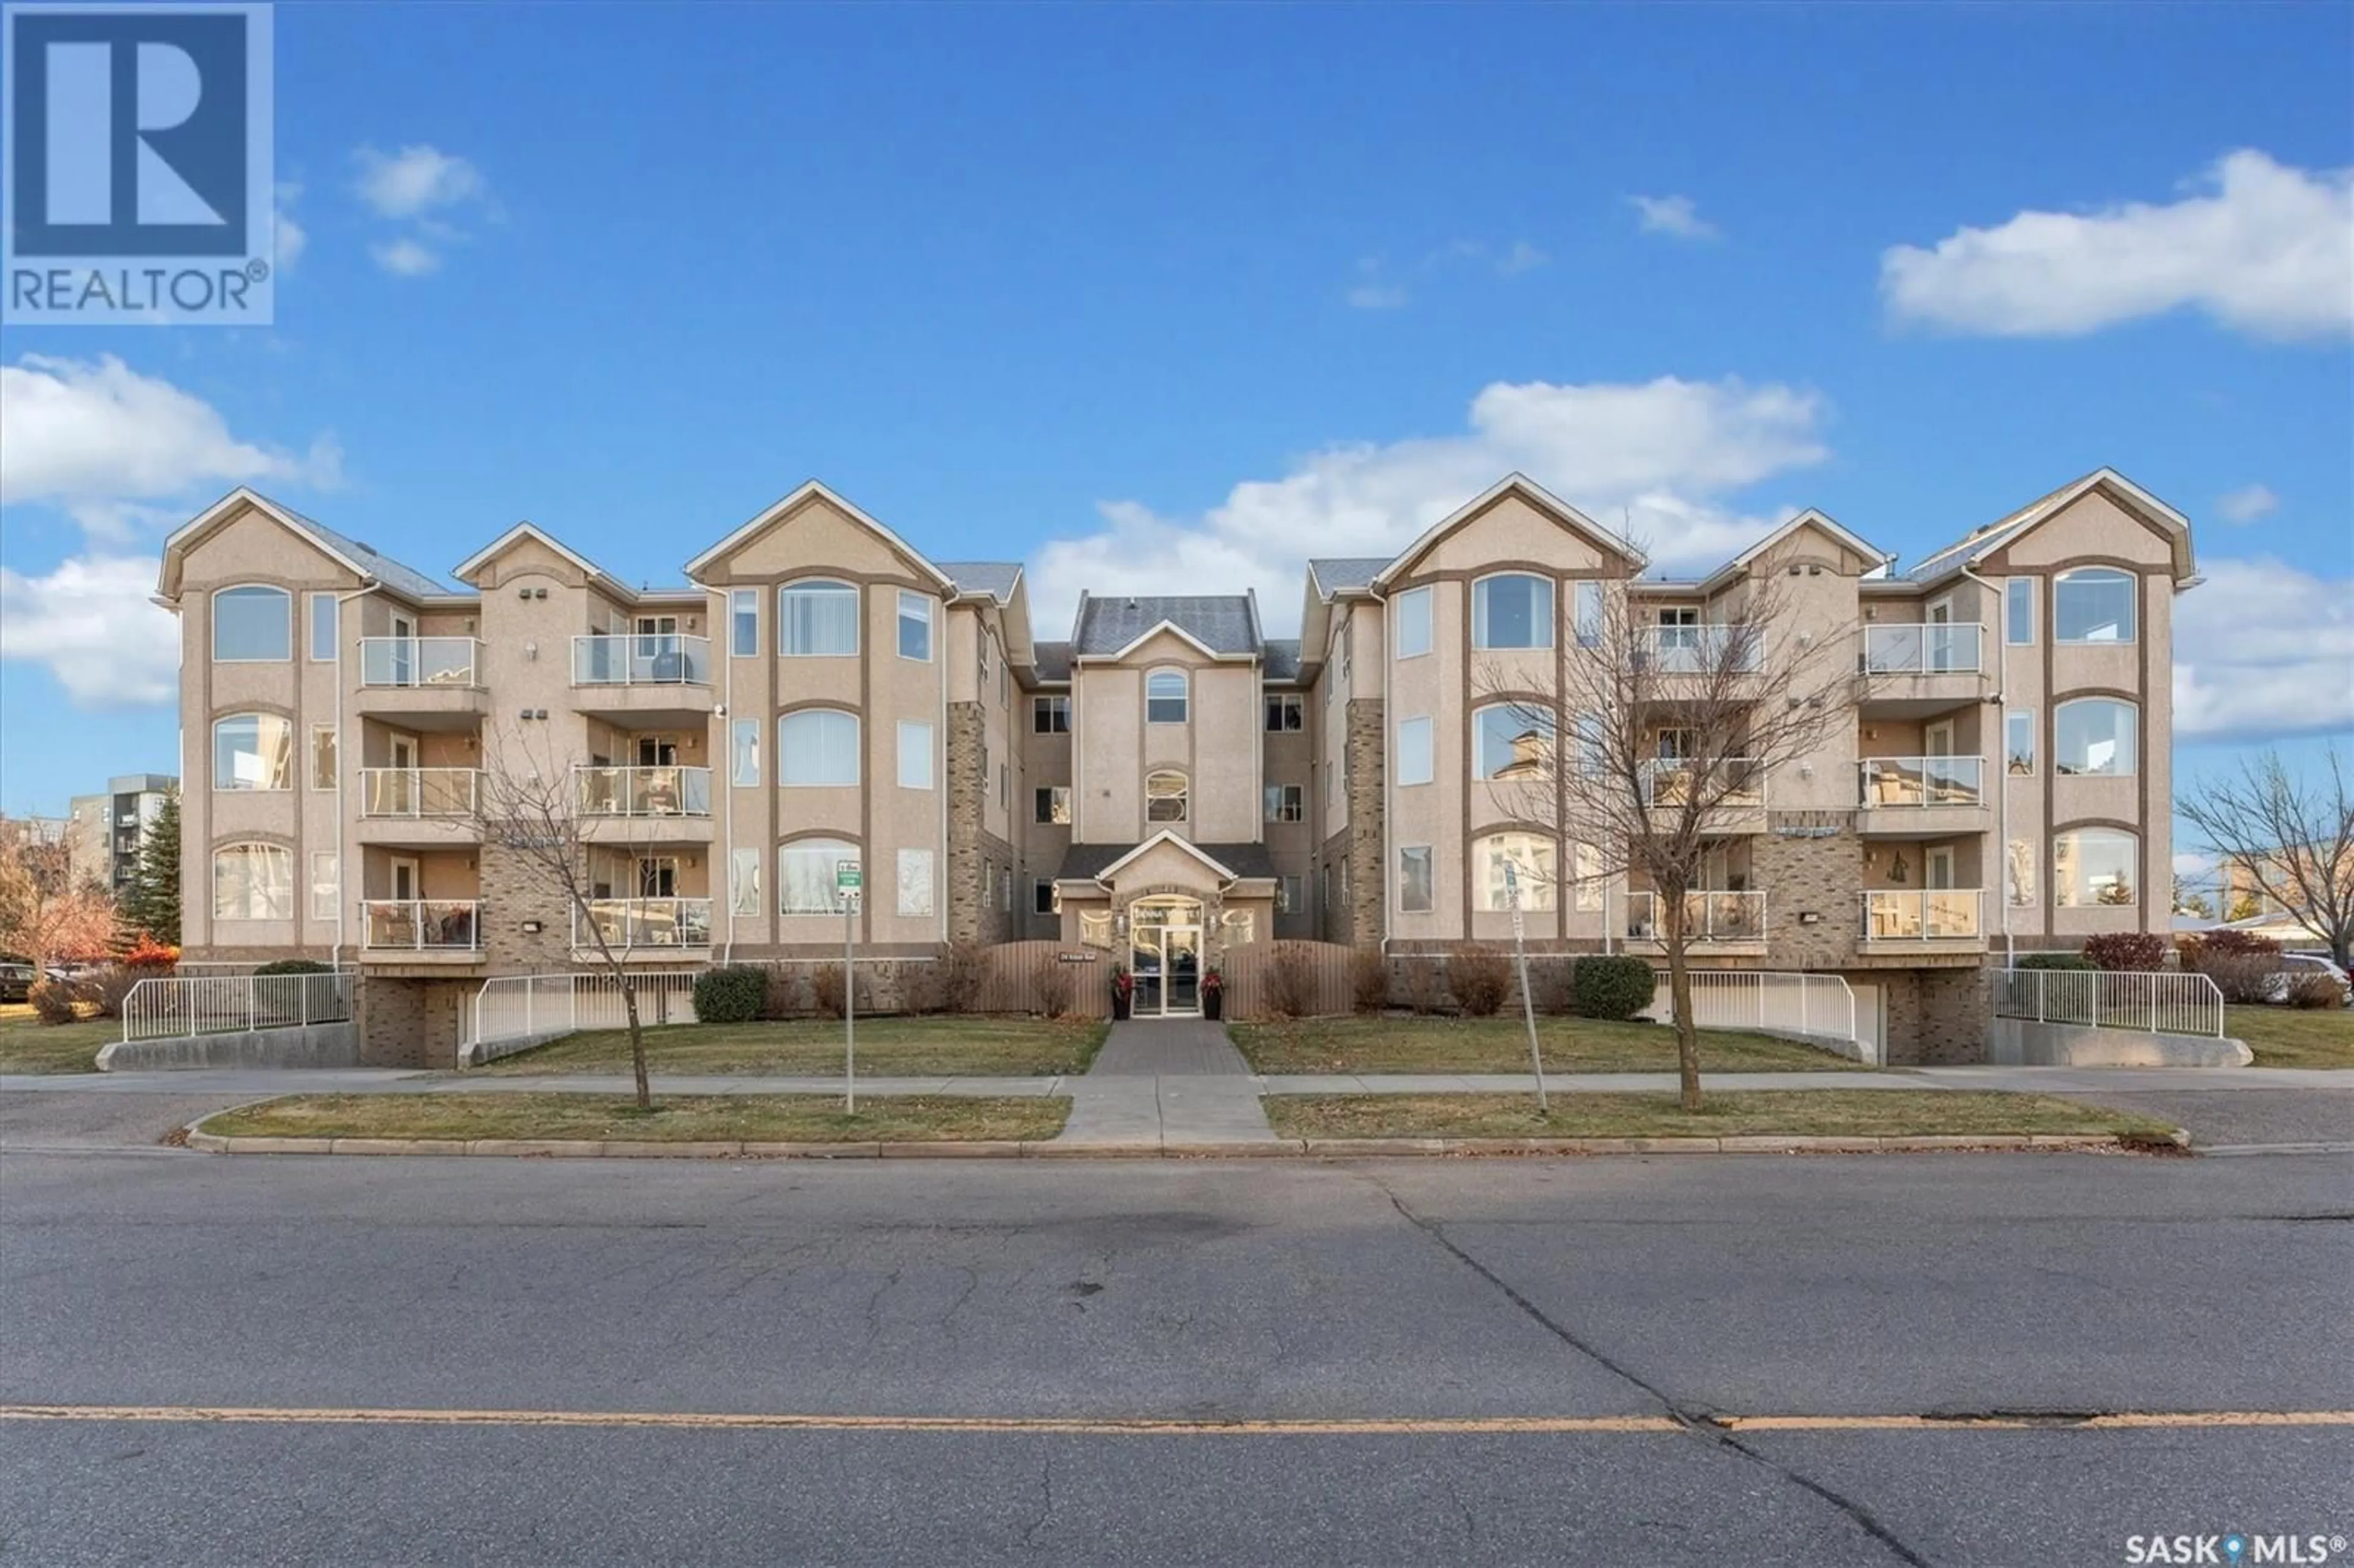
x=421 y=931
x=1934 y=919
x=1699 y=649
x=664 y=804
x=652 y=677
x=662 y=925
x=425 y=807
x=1734 y=922
x=1916 y=669
x=1922 y=797
x=428 y=683
x=1731 y=792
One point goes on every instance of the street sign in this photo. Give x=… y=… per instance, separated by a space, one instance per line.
x=847 y=876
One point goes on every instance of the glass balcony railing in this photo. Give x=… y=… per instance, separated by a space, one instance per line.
x=1738 y=782
x=1709 y=917
x=418 y=661
x=650 y=659
x=1700 y=650
x=1896 y=782
x=654 y=791
x=644 y=923
x=1931 y=913
x=1935 y=648
x=419 y=792
x=430 y=924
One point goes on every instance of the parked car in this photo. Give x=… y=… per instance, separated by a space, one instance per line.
x=2294 y=965
x=16 y=981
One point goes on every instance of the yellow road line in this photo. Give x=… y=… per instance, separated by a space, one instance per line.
x=1119 y=1426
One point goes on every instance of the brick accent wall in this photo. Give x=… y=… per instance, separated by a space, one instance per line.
x=1955 y=1006
x=1363 y=778
x=972 y=915
x=1800 y=876
x=515 y=888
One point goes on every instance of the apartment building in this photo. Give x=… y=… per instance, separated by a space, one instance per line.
x=105 y=832
x=1167 y=783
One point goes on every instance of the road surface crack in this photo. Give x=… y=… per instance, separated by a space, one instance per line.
x=1045 y=1503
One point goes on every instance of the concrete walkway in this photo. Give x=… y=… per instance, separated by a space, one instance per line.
x=1166 y=1081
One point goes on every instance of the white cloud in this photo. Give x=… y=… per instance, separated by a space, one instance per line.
x=405 y=257
x=417 y=180
x=98 y=438
x=1658 y=457
x=1677 y=215
x=2262 y=248
x=1521 y=257
x=291 y=237
x=2246 y=505
x=1376 y=288
x=90 y=624
x=2263 y=649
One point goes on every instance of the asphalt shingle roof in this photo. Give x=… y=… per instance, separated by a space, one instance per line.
x=1334 y=572
x=399 y=578
x=1084 y=861
x=1224 y=623
x=1281 y=658
x=995 y=578
x=1051 y=659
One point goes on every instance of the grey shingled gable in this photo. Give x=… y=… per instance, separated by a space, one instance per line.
x=1224 y=623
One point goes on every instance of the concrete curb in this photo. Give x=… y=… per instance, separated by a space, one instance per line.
x=1269 y=1149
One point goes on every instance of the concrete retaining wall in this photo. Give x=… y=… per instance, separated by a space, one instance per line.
x=305 y=1046
x=475 y=1053
x=2017 y=1042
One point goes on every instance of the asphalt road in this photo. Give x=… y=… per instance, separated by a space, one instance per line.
x=1653 y=1294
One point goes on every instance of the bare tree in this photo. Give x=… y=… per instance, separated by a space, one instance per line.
x=1647 y=736
x=2289 y=835
x=528 y=804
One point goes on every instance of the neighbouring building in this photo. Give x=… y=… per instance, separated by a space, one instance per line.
x=105 y=832
x=1167 y=783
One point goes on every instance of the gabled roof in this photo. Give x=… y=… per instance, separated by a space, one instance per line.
x=1224 y=626
x=1330 y=575
x=1809 y=518
x=1097 y=862
x=1535 y=495
x=1281 y=658
x=1955 y=558
x=532 y=531
x=363 y=560
x=997 y=580
x=1051 y=660
x=809 y=490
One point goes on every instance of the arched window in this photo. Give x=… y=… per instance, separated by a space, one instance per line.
x=817 y=619
x=2093 y=866
x=817 y=747
x=1511 y=609
x=1164 y=798
x=253 y=882
x=1512 y=741
x=252 y=751
x=1166 y=700
x=2093 y=735
x=806 y=876
x=2093 y=604
x=1534 y=867
x=252 y=624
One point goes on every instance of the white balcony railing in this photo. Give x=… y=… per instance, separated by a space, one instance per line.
x=659 y=791
x=1700 y=650
x=645 y=923
x=1730 y=781
x=419 y=792
x=418 y=661
x=1932 y=648
x=427 y=925
x=1901 y=781
x=1926 y=915
x=641 y=659
x=1709 y=917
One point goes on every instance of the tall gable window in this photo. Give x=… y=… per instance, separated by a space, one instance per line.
x=915 y=630
x=2093 y=604
x=1166 y=700
x=253 y=751
x=817 y=620
x=2093 y=735
x=252 y=625
x=1513 y=610
x=1413 y=622
x=743 y=622
x=817 y=747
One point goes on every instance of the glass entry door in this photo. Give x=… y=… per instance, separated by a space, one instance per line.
x=1165 y=959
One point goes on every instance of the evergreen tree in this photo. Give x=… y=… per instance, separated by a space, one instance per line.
x=151 y=903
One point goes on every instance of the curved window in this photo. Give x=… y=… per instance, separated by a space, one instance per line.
x=817 y=620
x=1511 y=741
x=1512 y=611
x=1164 y=798
x=2095 y=867
x=253 y=882
x=2093 y=604
x=1534 y=866
x=2092 y=734
x=1166 y=700
x=807 y=870
x=816 y=748
x=1239 y=927
x=252 y=624
x=253 y=751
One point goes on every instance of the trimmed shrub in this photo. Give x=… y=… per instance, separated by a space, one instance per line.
x=2055 y=961
x=52 y=999
x=1480 y=978
x=733 y=993
x=294 y=966
x=2223 y=942
x=2244 y=979
x=1368 y=980
x=1423 y=990
x=2127 y=951
x=1613 y=986
x=783 y=995
x=1054 y=990
x=830 y=989
x=956 y=979
x=2313 y=989
x=110 y=989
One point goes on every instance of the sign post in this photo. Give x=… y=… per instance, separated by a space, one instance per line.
x=848 y=883
x=1520 y=960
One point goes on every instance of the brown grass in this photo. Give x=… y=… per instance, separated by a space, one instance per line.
x=981 y=1045
x=675 y=1119
x=29 y=1045
x=2286 y=1037
x=1422 y=1044
x=1853 y=1113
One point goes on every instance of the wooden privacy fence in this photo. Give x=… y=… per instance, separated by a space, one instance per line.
x=1021 y=976
x=1324 y=972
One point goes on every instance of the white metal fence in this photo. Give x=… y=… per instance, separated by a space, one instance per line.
x=517 y=1007
x=1773 y=1002
x=2156 y=1001
x=169 y=1006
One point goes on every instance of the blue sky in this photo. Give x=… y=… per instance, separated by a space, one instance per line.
x=1150 y=295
